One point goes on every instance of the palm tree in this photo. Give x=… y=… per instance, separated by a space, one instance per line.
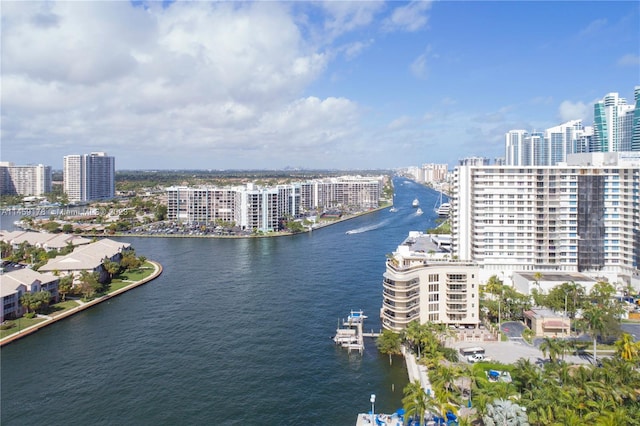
x=416 y=401
x=415 y=333
x=627 y=349
x=527 y=375
x=551 y=347
x=595 y=320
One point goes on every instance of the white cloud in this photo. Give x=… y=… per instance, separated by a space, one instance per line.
x=205 y=76
x=572 y=111
x=399 y=123
x=419 y=67
x=411 y=17
x=346 y=16
x=630 y=59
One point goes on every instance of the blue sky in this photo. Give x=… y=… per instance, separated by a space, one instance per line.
x=268 y=85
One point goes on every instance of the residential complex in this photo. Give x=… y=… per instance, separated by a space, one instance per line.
x=252 y=207
x=24 y=180
x=430 y=173
x=422 y=282
x=89 y=177
x=579 y=216
x=616 y=128
x=16 y=283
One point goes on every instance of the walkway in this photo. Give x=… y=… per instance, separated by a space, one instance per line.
x=83 y=305
x=417 y=371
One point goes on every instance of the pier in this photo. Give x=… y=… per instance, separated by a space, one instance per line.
x=350 y=336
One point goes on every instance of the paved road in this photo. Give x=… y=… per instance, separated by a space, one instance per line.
x=632 y=329
x=511 y=351
x=513 y=329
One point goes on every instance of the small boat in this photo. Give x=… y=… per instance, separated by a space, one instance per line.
x=393 y=210
x=419 y=211
x=415 y=203
x=350 y=232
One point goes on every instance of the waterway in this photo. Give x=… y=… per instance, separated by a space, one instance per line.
x=234 y=332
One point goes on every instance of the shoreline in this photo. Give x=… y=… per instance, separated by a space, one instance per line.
x=270 y=235
x=36 y=327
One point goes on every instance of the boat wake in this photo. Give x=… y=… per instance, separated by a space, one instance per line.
x=367 y=228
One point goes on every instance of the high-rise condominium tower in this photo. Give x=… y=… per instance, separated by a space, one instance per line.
x=89 y=176
x=613 y=124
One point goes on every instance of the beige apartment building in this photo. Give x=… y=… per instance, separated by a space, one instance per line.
x=422 y=282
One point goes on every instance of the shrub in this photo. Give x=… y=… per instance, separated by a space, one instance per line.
x=7 y=325
x=30 y=315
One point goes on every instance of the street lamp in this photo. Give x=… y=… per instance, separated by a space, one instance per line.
x=373 y=401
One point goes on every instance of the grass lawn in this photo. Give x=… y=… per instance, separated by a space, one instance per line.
x=128 y=277
x=21 y=324
x=59 y=308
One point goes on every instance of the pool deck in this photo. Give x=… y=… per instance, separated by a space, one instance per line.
x=364 y=419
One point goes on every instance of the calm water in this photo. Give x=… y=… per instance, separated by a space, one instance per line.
x=234 y=332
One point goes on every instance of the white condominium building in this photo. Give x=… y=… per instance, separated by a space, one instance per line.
x=89 y=177
x=580 y=216
x=25 y=180
x=423 y=283
x=255 y=208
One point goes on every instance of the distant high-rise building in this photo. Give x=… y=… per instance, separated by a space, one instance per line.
x=545 y=148
x=613 y=124
x=25 y=180
x=515 y=149
x=635 y=136
x=89 y=176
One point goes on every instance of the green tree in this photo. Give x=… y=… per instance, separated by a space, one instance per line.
x=595 y=321
x=65 y=286
x=627 y=349
x=89 y=284
x=111 y=267
x=551 y=347
x=389 y=343
x=29 y=302
x=416 y=401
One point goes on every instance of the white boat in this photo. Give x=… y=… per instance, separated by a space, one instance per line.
x=393 y=210
x=419 y=211
x=442 y=209
x=416 y=203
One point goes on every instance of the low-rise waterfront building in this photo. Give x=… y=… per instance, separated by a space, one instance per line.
x=88 y=258
x=43 y=240
x=422 y=282
x=14 y=284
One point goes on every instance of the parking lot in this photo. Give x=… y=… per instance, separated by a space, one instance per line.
x=511 y=351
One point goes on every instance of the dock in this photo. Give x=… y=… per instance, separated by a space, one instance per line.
x=350 y=336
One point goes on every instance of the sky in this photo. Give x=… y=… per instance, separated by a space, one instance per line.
x=312 y=85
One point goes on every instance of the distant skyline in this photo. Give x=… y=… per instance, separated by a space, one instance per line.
x=331 y=85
